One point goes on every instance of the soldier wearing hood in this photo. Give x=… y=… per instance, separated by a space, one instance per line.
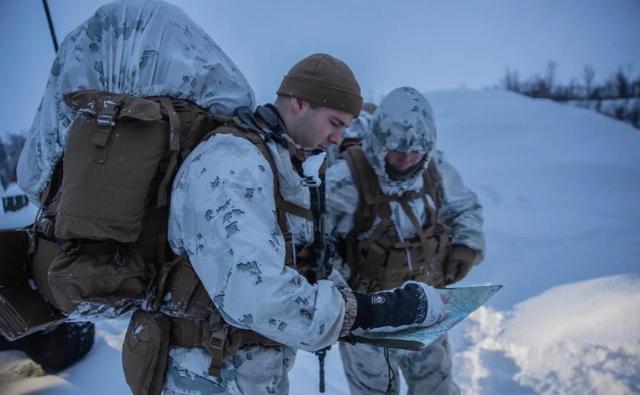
x=399 y=211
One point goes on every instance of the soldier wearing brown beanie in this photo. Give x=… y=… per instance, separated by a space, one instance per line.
x=240 y=210
x=317 y=99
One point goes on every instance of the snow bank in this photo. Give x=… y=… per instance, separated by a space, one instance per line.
x=579 y=338
x=559 y=186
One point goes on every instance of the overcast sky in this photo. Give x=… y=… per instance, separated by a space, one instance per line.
x=426 y=44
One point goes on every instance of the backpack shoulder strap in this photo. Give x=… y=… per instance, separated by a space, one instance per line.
x=369 y=193
x=431 y=183
x=282 y=206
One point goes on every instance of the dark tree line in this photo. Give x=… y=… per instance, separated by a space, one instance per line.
x=10 y=148
x=617 y=96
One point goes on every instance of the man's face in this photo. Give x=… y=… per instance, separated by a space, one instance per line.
x=401 y=162
x=317 y=127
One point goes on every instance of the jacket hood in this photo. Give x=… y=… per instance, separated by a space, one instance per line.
x=402 y=122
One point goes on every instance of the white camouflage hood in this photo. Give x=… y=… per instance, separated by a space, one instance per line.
x=402 y=122
x=139 y=47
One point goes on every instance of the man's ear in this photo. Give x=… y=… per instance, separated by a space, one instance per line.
x=298 y=106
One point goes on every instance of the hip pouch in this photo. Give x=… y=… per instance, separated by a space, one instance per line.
x=23 y=310
x=102 y=277
x=145 y=352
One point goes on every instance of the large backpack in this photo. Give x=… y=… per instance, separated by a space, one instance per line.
x=101 y=236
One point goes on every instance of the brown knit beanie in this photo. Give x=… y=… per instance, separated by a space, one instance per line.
x=323 y=80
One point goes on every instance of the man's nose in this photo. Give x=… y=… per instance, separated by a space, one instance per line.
x=405 y=159
x=336 y=137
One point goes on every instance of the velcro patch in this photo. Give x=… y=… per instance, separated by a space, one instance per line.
x=378 y=299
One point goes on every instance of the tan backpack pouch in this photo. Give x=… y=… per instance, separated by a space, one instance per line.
x=88 y=284
x=145 y=352
x=43 y=255
x=108 y=168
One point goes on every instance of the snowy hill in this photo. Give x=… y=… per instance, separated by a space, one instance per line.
x=560 y=187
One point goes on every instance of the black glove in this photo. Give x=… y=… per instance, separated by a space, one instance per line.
x=414 y=304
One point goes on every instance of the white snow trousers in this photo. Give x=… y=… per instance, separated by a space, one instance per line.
x=252 y=370
x=427 y=371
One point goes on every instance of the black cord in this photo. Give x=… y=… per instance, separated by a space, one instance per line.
x=52 y=30
x=390 y=372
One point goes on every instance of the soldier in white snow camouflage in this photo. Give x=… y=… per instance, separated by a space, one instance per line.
x=433 y=234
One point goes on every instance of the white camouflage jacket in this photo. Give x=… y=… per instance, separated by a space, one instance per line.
x=404 y=121
x=223 y=217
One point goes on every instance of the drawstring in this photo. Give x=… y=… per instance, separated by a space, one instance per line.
x=390 y=372
x=406 y=250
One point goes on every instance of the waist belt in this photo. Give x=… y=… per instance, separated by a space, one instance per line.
x=225 y=341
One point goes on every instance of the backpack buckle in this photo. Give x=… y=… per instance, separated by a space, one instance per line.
x=108 y=113
x=215 y=346
x=45 y=226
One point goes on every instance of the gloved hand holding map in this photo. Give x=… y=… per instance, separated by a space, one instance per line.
x=460 y=303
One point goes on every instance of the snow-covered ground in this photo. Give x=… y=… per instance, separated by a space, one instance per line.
x=560 y=186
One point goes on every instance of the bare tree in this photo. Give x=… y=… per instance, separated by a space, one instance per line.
x=588 y=74
x=603 y=97
x=550 y=76
x=510 y=81
x=622 y=84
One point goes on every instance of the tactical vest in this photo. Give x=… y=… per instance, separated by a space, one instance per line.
x=383 y=260
x=101 y=238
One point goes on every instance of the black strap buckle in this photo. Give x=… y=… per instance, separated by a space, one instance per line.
x=108 y=113
x=45 y=226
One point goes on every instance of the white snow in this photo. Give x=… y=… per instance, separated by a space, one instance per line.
x=579 y=338
x=560 y=186
x=311 y=166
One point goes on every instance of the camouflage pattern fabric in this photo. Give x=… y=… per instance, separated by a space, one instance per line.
x=137 y=47
x=223 y=217
x=402 y=122
x=252 y=370
x=427 y=371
